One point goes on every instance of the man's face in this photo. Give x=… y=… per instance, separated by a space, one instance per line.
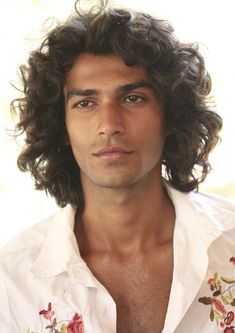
x=114 y=120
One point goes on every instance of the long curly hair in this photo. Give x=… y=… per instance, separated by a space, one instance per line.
x=176 y=69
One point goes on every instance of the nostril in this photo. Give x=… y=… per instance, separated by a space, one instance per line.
x=108 y=132
x=110 y=128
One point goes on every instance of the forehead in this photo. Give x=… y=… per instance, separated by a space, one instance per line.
x=98 y=70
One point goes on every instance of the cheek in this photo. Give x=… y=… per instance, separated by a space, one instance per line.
x=76 y=139
x=153 y=138
x=154 y=130
x=74 y=130
x=147 y=124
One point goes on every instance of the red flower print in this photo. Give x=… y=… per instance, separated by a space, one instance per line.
x=219 y=306
x=76 y=325
x=232 y=260
x=230 y=316
x=229 y=329
x=47 y=314
x=216 y=293
x=221 y=300
x=211 y=281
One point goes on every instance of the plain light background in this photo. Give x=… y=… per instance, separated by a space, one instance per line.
x=21 y=29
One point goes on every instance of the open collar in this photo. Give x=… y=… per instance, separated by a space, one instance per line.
x=197 y=214
x=60 y=253
x=200 y=220
x=59 y=248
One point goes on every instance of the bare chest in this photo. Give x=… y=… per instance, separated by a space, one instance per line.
x=141 y=293
x=142 y=304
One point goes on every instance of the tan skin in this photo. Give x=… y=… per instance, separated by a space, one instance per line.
x=116 y=128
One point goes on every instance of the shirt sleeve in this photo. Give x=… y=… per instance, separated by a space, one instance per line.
x=4 y=308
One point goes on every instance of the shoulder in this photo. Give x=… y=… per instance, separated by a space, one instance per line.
x=27 y=239
x=19 y=253
x=212 y=209
x=219 y=208
x=213 y=200
x=29 y=242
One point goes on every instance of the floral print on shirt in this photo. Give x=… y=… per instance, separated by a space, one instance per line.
x=75 y=325
x=222 y=301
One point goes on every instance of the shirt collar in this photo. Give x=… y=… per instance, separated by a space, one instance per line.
x=200 y=220
x=206 y=216
x=60 y=251
x=59 y=248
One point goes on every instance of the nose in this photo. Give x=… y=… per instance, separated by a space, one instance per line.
x=111 y=122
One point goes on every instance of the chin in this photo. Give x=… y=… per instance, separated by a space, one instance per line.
x=115 y=182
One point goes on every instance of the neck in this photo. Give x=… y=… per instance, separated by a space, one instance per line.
x=125 y=221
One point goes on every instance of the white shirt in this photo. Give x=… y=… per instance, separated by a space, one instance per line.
x=43 y=266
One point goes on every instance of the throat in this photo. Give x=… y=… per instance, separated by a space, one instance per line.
x=125 y=231
x=118 y=217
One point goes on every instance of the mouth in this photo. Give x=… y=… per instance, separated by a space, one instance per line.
x=112 y=153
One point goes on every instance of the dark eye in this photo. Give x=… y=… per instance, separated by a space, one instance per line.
x=83 y=104
x=133 y=99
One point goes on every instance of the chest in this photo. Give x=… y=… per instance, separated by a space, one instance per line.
x=140 y=291
x=141 y=304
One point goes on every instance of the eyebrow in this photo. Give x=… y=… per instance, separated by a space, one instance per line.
x=122 y=89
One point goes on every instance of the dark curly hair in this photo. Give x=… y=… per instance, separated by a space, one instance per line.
x=176 y=69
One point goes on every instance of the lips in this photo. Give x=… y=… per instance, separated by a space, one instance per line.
x=112 y=152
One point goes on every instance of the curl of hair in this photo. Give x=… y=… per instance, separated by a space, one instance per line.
x=177 y=71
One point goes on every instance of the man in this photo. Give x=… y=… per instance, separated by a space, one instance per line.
x=118 y=130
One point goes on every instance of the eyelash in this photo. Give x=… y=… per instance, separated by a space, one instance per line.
x=139 y=98
x=87 y=101
x=78 y=104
